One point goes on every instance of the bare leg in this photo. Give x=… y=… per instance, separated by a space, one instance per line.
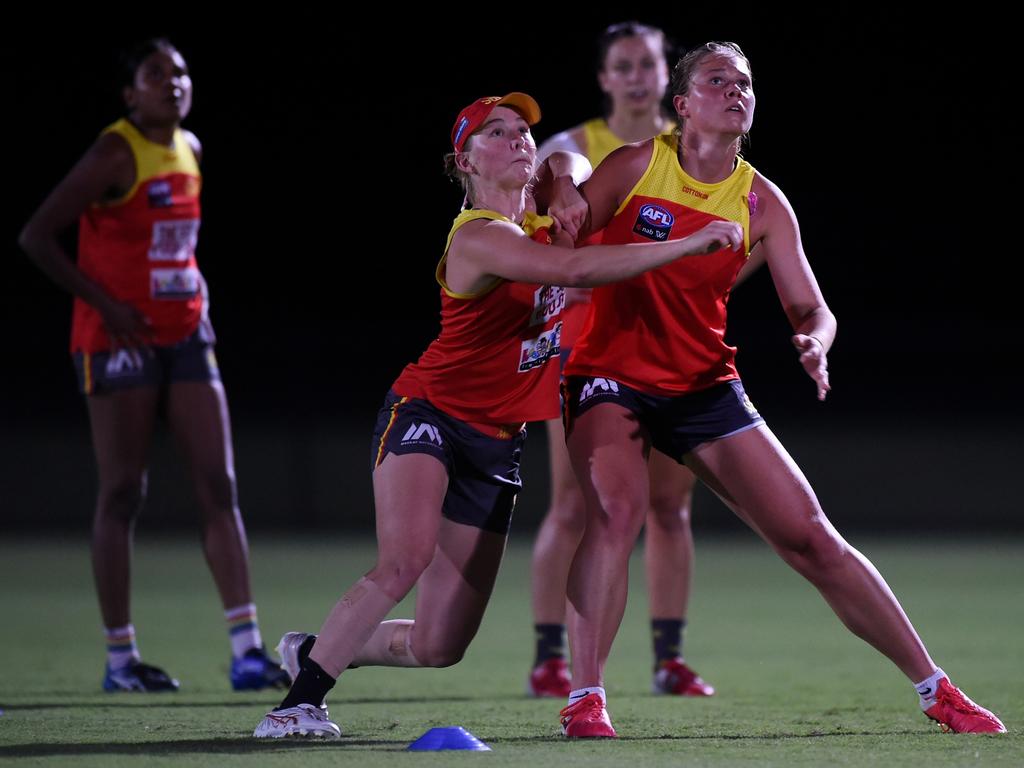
x=122 y=431
x=559 y=534
x=453 y=592
x=609 y=453
x=198 y=415
x=408 y=493
x=754 y=475
x=668 y=539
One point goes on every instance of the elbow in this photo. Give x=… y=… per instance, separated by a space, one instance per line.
x=579 y=274
x=828 y=316
x=29 y=240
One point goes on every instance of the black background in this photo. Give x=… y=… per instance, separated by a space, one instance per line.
x=325 y=210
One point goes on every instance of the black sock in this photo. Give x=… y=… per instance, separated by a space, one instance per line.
x=310 y=687
x=668 y=639
x=550 y=642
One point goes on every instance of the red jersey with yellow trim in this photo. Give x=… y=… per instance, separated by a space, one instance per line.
x=490 y=365
x=141 y=248
x=663 y=332
x=600 y=142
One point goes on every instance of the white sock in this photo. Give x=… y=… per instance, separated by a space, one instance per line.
x=121 y=647
x=243 y=629
x=579 y=693
x=927 y=688
x=388 y=646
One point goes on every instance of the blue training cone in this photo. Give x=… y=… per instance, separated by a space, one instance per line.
x=454 y=737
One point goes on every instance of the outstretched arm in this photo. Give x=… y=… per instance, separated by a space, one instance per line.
x=483 y=250
x=777 y=232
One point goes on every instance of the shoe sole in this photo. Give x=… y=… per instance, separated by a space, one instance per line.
x=304 y=733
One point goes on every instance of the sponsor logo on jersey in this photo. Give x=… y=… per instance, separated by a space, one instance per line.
x=653 y=222
x=695 y=192
x=174 y=283
x=536 y=352
x=548 y=301
x=174 y=240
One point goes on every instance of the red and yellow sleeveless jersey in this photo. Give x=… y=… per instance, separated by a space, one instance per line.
x=489 y=365
x=600 y=142
x=663 y=332
x=141 y=248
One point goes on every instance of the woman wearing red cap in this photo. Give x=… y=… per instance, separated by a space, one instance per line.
x=445 y=453
x=652 y=370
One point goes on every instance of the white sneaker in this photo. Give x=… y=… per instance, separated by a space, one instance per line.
x=288 y=651
x=302 y=720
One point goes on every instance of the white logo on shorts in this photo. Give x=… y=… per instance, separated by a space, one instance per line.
x=749 y=407
x=592 y=386
x=123 y=362
x=417 y=431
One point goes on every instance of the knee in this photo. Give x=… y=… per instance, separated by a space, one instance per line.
x=440 y=655
x=217 y=492
x=568 y=512
x=398 y=575
x=122 y=497
x=618 y=522
x=818 y=551
x=670 y=511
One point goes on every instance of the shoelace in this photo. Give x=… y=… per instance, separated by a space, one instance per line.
x=956 y=699
x=584 y=707
x=959 y=702
x=317 y=713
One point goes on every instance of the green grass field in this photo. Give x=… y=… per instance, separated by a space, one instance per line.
x=794 y=688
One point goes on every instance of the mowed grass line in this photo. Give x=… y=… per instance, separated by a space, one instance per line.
x=795 y=687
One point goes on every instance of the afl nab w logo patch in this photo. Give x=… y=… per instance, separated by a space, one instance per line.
x=653 y=222
x=159 y=194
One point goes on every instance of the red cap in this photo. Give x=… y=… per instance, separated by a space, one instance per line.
x=475 y=115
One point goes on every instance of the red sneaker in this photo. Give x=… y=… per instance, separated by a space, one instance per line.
x=674 y=678
x=953 y=711
x=550 y=678
x=587 y=719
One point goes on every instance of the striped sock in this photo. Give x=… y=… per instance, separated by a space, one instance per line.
x=550 y=642
x=667 y=635
x=121 y=647
x=243 y=629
